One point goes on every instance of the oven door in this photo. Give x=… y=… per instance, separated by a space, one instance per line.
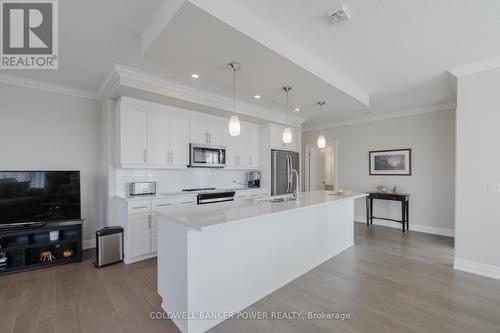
x=207 y=156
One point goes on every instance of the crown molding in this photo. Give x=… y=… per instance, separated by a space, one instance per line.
x=45 y=86
x=474 y=68
x=108 y=84
x=137 y=79
x=405 y=113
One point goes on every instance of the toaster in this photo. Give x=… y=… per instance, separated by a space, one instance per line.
x=142 y=188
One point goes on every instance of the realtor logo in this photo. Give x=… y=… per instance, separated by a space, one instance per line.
x=29 y=36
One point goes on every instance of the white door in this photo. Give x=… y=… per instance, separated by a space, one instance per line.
x=198 y=131
x=140 y=235
x=316 y=177
x=132 y=133
x=156 y=136
x=216 y=130
x=178 y=137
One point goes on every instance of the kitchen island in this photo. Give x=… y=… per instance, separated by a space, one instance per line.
x=215 y=260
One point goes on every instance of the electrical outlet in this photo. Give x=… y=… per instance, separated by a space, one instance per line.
x=494 y=188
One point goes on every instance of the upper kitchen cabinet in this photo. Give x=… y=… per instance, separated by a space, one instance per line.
x=156 y=134
x=276 y=137
x=178 y=137
x=243 y=151
x=206 y=129
x=151 y=135
x=131 y=132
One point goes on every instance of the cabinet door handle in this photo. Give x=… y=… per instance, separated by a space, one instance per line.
x=149 y=222
x=145 y=156
x=171 y=156
x=209 y=137
x=140 y=207
x=162 y=205
x=186 y=202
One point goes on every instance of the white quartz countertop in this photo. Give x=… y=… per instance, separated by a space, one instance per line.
x=205 y=217
x=166 y=195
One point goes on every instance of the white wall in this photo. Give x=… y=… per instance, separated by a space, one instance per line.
x=431 y=186
x=48 y=131
x=477 y=242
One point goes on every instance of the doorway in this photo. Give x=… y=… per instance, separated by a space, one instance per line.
x=321 y=167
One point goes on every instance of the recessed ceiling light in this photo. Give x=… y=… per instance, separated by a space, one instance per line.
x=195 y=76
x=297 y=109
x=339 y=15
x=257 y=96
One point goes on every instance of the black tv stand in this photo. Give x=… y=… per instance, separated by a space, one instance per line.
x=25 y=246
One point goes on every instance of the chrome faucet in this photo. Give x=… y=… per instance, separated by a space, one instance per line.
x=296 y=192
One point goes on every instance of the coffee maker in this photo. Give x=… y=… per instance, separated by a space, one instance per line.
x=253 y=178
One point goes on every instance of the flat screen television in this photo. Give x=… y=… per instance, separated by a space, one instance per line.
x=38 y=197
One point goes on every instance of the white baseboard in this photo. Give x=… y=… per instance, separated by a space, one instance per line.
x=477 y=268
x=88 y=244
x=130 y=260
x=415 y=227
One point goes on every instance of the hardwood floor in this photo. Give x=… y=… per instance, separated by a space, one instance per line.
x=388 y=282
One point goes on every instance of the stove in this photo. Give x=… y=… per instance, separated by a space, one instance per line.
x=198 y=189
x=209 y=197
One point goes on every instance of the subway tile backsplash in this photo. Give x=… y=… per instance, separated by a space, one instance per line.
x=175 y=180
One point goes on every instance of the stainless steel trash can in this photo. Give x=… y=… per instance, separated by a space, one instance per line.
x=109 y=246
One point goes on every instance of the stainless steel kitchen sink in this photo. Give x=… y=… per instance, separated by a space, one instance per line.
x=282 y=199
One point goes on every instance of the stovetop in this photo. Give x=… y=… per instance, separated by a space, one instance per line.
x=199 y=189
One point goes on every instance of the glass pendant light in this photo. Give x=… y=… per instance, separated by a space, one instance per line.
x=321 y=137
x=234 y=121
x=287 y=132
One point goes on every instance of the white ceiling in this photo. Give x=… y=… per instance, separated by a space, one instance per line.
x=397 y=51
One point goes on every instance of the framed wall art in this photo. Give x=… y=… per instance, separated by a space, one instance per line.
x=395 y=162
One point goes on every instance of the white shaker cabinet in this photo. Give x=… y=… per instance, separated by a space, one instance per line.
x=156 y=146
x=138 y=219
x=140 y=235
x=276 y=136
x=150 y=134
x=243 y=151
x=177 y=137
x=206 y=129
x=132 y=124
x=254 y=146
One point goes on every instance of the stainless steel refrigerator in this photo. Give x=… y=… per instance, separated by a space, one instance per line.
x=282 y=178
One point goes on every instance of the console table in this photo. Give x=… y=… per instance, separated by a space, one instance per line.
x=404 y=198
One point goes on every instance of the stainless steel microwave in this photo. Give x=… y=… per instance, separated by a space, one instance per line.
x=207 y=156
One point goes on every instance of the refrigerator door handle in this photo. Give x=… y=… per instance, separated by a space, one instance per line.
x=274 y=173
x=289 y=173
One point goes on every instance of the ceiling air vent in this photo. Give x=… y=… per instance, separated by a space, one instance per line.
x=339 y=15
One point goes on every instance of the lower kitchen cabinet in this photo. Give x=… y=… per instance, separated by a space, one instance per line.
x=138 y=219
x=139 y=224
x=140 y=235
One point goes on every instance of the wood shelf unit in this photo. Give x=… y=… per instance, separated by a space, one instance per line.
x=23 y=246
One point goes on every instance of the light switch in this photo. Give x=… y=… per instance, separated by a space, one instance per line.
x=494 y=188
